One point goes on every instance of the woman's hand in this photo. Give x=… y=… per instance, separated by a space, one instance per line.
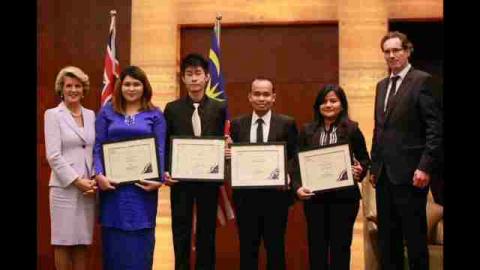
x=357 y=170
x=148 y=185
x=90 y=192
x=168 y=179
x=304 y=193
x=84 y=184
x=104 y=183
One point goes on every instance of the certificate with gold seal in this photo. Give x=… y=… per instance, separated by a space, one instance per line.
x=197 y=159
x=326 y=168
x=258 y=165
x=131 y=160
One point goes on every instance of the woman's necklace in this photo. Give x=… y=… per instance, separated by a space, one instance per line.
x=76 y=115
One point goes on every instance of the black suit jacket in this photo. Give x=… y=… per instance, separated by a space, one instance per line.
x=178 y=115
x=409 y=134
x=347 y=132
x=282 y=129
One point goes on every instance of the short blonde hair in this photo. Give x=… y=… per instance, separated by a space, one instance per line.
x=74 y=72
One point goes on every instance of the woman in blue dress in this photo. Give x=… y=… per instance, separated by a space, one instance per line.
x=128 y=212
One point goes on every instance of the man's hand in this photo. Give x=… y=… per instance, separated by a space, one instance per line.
x=373 y=180
x=285 y=188
x=420 y=179
x=228 y=151
x=304 y=193
x=168 y=179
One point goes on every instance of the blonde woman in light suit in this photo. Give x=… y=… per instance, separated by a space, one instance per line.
x=69 y=138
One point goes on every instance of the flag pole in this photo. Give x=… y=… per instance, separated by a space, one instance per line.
x=111 y=65
x=229 y=213
x=113 y=14
x=217 y=27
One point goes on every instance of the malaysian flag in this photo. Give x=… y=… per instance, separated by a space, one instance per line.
x=112 y=68
x=216 y=90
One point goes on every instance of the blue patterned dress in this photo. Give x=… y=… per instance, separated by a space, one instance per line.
x=128 y=213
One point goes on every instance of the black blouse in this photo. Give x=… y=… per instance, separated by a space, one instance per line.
x=314 y=134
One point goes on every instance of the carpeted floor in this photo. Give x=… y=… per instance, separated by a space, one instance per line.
x=163 y=255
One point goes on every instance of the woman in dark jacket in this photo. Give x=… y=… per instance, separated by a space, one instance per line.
x=331 y=214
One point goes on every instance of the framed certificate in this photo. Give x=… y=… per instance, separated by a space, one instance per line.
x=258 y=165
x=326 y=168
x=130 y=160
x=197 y=158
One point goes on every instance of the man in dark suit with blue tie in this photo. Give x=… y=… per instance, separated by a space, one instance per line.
x=405 y=152
x=263 y=213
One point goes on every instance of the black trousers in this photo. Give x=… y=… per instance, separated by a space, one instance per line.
x=401 y=211
x=330 y=231
x=182 y=198
x=262 y=214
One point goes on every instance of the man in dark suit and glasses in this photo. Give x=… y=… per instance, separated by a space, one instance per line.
x=194 y=115
x=405 y=151
x=263 y=213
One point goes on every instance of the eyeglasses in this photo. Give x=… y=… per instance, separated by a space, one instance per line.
x=394 y=51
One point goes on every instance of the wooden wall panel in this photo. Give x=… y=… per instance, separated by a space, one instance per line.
x=300 y=59
x=248 y=11
x=415 y=9
x=71 y=33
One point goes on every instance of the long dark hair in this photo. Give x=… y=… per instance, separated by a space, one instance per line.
x=118 y=101
x=343 y=116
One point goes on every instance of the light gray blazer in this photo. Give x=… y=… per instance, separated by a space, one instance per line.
x=69 y=150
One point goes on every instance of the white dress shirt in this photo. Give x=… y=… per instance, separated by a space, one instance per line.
x=266 y=126
x=402 y=75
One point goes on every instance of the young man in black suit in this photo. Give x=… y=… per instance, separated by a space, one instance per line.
x=263 y=213
x=194 y=115
x=405 y=151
